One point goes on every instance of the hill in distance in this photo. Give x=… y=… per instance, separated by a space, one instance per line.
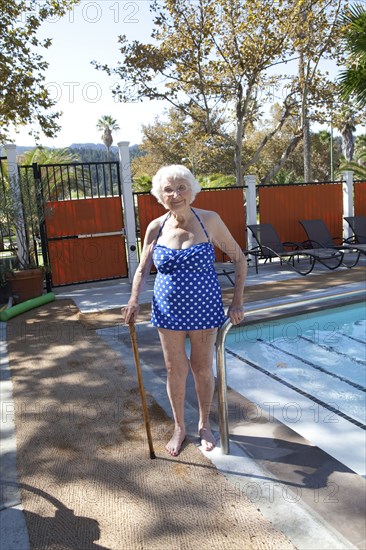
x=89 y=152
x=93 y=146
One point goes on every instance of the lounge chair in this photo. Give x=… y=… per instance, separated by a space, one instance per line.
x=270 y=246
x=320 y=236
x=224 y=272
x=358 y=226
x=228 y=269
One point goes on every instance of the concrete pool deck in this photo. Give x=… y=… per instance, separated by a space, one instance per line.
x=305 y=494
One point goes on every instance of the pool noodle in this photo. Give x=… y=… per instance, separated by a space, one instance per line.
x=26 y=306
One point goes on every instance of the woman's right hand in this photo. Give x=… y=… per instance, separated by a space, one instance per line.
x=130 y=313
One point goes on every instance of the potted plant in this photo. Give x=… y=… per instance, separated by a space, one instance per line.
x=20 y=215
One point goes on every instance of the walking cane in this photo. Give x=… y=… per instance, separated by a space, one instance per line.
x=141 y=386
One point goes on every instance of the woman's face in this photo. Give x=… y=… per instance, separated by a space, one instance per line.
x=176 y=194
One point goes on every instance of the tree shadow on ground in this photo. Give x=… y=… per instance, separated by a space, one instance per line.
x=81 y=441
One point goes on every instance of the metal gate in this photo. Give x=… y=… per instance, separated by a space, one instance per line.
x=83 y=219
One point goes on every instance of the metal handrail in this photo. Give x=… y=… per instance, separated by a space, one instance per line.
x=221 y=362
x=221 y=386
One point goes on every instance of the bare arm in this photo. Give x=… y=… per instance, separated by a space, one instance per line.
x=130 y=312
x=223 y=239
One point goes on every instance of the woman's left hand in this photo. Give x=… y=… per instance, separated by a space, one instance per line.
x=236 y=314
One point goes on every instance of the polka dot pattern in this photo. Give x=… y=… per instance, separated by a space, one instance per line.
x=187 y=294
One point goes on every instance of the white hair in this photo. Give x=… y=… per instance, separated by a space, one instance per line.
x=172 y=173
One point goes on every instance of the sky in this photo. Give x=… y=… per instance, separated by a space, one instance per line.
x=90 y=32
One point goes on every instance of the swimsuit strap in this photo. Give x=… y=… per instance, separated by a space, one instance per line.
x=162 y=225
x=168 y=216
x=203 y=227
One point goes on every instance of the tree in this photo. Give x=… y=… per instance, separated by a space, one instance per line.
x=316 y=38
x=19 y=218
x=107 y=124
x=24 y=97
x=86 y=154
x=199 y=54
x=326 y=154
x=216 y=180
x=358 y=164
x=46 y=155
x=353 y=79
x=348 y=143
x=177 y=139
x=54 y=190
x=172 y=139
x=292 y=170
x=217 y=61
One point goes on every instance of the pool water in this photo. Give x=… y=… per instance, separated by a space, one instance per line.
x=308 y=371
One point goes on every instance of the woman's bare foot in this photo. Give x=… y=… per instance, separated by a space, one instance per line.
x=175 y=443
x=207 y=438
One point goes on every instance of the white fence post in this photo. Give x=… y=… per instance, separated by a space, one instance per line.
x=347 y=188
x=251 y=206
x=128 y=208
x=20 y=230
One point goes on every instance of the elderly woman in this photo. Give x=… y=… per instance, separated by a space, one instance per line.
x=187 y=296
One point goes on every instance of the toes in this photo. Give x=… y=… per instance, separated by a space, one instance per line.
x=207 y=445
x=172 y=451
x=207 y=438
x=174 y=445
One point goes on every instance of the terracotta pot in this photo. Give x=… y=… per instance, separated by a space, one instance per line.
x=25 y=284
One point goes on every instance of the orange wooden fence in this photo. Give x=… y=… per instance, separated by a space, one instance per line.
x=78 y=251
x=360 y=198
x=284 y=205
x=228 y=203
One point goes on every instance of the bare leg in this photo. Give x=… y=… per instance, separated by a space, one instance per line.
x=176 y=362
x=202 y=347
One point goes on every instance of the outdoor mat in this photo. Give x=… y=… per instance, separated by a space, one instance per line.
x=86 y=478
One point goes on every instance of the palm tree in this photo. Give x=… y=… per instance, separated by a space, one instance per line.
x=216 y=180
x=56 y=177
x=46 y=155
x=358 y=164
x=21 y=206
x=348 y=142
x=107 y=124
x=353 y=79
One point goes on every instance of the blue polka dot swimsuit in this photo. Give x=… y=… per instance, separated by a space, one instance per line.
x=187 y=294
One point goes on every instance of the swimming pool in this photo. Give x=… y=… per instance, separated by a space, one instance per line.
x=307 y=371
